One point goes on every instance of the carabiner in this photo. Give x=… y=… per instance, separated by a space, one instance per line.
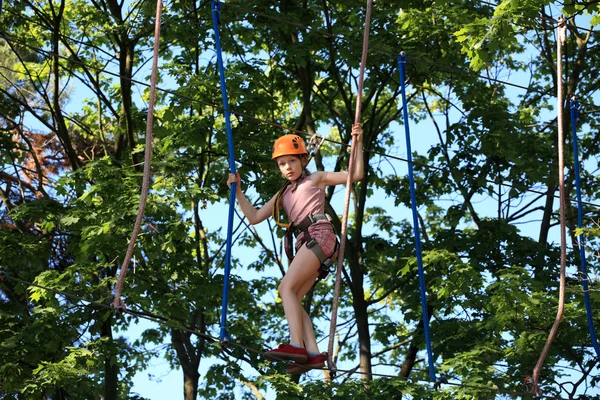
x=314 y=144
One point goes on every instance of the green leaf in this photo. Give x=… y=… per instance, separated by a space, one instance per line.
x=69 y=220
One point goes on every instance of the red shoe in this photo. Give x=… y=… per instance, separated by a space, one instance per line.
x=287 y=352
x=315 y=362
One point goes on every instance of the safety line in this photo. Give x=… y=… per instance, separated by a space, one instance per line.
x=349 y=180
x=176 y=324
x=415 y=214
x=118 y=303
x=580 y=238
x=271 y=123
x=216 y=8
x=561 y=33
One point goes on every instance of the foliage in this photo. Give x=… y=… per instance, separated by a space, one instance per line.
x=73 y=77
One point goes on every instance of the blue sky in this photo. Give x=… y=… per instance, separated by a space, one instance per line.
x=159 y=382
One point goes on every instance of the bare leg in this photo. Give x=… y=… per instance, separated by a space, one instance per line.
x=308 y=333
x=298 y=280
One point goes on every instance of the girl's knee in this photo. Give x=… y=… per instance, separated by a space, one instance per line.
x=284 y=289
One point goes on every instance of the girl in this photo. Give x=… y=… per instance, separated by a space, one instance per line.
x=303 y=199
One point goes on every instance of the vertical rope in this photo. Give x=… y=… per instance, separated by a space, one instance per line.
x=562 y=33
x=413 y=201
x=224 y=335
x=574 y=106
x=338 y=272
x=117 y=302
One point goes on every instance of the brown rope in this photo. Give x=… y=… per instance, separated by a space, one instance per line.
x=562 y=33
x=117 y=302
x=338 y=274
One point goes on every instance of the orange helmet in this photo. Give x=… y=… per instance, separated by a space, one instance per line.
x=288 y=145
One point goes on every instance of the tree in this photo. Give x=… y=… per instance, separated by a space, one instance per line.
x=485 y=188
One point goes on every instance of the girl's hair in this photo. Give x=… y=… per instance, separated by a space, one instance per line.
x=304 y=159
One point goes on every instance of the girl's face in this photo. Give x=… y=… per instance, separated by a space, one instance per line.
x=290 y=166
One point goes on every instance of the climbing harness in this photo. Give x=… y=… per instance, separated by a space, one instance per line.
x=117 y=302
x=295 y=229
x=413 y=202
x=224 y=335
x=574 y=106
x=561 y=34
x=353 y=155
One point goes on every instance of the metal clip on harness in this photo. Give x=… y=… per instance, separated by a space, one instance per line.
x=314 y=144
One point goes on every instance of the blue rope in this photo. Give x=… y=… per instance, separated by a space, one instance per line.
x=413 y=202
x=224 y=335
x=574 y=105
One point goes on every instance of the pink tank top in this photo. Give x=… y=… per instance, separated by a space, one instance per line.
x=306 y=199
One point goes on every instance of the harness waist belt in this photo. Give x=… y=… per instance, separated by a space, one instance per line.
x=308 y=221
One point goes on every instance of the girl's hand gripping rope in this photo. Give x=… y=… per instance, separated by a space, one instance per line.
x=357 y=132
x=234 y=178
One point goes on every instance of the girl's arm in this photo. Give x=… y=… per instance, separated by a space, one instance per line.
x=324 y=178
x=254 y=216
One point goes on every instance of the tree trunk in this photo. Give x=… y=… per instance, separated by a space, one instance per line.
x=126 y=57
x=59 y=121
x=189 y=360
x=362 y=318
x=126 y=62
x=413 y=349
x=359 y=303
x=111 y=369
x=545 y=225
